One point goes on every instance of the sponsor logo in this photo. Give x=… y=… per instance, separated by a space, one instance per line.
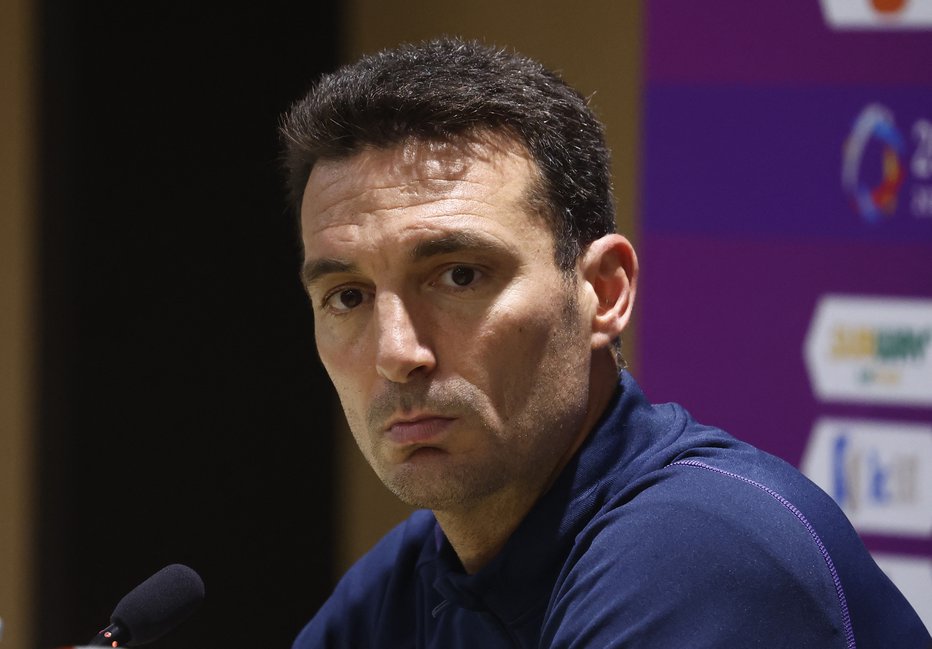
x=873 y=198
x=874 y=350
x=921 y=169
x=877 y=14
x=880 y=473
x=879 y=165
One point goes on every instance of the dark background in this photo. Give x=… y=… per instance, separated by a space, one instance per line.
x=184 y=416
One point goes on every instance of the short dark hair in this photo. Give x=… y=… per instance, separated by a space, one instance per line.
x=450 y=88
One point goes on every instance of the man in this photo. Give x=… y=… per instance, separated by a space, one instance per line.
x=469 y=294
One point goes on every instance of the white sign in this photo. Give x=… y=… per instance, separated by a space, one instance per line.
x=880 y=473
x=878 y=14
x=871 y=349
x=913 y=576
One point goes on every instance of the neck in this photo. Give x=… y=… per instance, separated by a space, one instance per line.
x=477 y=536
x=479 y=533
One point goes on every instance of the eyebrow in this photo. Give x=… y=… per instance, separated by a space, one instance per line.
x=457 y=241
x=317 y=268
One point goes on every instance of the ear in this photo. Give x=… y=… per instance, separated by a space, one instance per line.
x=609 y=270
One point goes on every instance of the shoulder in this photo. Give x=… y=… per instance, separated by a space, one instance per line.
x=394 y=557
x=381 y=584
x=695 y=555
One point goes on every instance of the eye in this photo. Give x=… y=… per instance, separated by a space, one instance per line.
x=460 y=276
x=344 y=300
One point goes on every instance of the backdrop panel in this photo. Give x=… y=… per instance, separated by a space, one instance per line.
x=787 y=246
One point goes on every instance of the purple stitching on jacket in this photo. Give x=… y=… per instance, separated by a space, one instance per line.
x=839 y=590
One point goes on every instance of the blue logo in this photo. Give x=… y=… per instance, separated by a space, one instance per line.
x=848 y=474
x=873 y=168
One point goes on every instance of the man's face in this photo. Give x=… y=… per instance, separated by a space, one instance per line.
x=453 y=340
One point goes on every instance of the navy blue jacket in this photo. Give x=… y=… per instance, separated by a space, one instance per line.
x=660 y=533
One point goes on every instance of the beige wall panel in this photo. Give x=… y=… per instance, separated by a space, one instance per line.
x=597 y=47
x=16 y=344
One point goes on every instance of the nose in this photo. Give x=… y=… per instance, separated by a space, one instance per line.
x=402 y=353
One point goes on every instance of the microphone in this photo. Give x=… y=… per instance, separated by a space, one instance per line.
x=153 y=608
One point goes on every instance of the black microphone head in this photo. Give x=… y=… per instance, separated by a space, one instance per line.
x=159 y=604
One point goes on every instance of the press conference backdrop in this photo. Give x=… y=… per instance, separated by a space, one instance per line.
x=787 y=245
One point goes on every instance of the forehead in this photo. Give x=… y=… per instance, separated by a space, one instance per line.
x=420 y=183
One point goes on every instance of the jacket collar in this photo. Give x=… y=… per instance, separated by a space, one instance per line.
x=519 y=580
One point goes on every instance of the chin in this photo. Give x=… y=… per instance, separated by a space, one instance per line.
x=425 y=483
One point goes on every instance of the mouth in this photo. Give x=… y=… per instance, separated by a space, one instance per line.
x=421 y=430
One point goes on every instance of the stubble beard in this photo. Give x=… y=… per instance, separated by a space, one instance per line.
x=431 y=478
x=447 y=483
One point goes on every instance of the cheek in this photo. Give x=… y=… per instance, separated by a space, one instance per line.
x=345 y=366
x=338 y=345
x=520 y=348
x=328 y=351
x=354 y=410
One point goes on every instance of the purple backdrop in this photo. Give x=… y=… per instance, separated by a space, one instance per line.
x=785 y=164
